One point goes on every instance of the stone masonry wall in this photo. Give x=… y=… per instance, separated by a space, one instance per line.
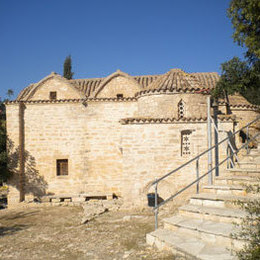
x=88 y=136
x=152 y=150
x=63 y=90
x=166 y=105
x=245 y=116
x=119 y=85
x=104 y=139
x=12 y=126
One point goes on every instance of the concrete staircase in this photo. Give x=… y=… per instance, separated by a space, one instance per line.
x=202 y=228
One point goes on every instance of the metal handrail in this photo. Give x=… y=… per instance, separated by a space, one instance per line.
x=156 y=182
x=193 y=159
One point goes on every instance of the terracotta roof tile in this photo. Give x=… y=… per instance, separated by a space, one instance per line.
x=175 y=78
x=238 y=101
x=208 y=79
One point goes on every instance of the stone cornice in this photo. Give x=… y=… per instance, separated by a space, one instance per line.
x=58 y=101
x=142 y=120
x=149 y=92
x=255 y=107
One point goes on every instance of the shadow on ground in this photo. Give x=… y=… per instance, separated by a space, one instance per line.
x=11 y=230
x=19 y=215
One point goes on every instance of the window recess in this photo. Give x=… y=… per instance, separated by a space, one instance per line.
x=62 y=167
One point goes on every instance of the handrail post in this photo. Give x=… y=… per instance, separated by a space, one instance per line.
x=231 y=156
x=209 y=142
x=247 y=134
x=228 y=154
x=197 y=175
x=215 y=108
x=156 y=205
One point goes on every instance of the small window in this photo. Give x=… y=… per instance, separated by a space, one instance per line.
x=119 y=96
x=185 y=142
x=181 y=109
x=53 y=95
x=62 y=167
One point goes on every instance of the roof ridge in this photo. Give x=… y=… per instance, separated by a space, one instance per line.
x=87 y=79
x=176 y=79
x=205 y=72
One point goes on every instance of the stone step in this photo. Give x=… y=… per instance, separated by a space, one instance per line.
x=187 y=247
x=235 y=180
x=225 y=189
x=218 y=200
x=248 y=165
x=251 y=157
x=223 y=215
x=206 y=230
x=255 y=151
x=242 y=172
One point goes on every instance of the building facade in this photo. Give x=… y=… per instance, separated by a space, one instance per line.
x=113 y=135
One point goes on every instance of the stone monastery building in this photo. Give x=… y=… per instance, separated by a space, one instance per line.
x=113 y=135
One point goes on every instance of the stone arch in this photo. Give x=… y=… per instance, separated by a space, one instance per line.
x=53 y=75
x=109 y=78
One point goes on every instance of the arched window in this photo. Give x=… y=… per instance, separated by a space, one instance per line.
x=181 y=109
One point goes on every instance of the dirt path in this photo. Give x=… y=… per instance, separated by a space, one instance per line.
x=56 y=233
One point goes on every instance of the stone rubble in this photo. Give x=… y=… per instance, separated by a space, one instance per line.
x=94 y=208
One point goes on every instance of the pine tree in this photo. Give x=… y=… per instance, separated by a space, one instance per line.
x=67 y=73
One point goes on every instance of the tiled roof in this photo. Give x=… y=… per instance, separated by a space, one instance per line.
x=208 y=79
x=237 y=101
x=88 y=86
x=175 y=78
x=145 y=81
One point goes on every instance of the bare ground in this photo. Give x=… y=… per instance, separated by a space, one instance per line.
x=56 y=233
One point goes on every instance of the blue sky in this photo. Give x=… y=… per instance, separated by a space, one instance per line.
x=137 y=36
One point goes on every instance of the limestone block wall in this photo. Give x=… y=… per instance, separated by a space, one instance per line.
x=166 y=105
x=53 y=131
x=12 y=125
x=245 y=116
x=104 y=156
x=105 y=145
x=58 y=85
x=152 y=150
x=119 y=85
x=89 y=136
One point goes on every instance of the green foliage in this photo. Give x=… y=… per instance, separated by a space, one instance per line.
x=233 y=78
x=245 y=17
x=10 y=93
x=67 y=73
x=239 y=76
x=250 y=227
x=4 y=171
x=252 y=84
x=243 y=76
